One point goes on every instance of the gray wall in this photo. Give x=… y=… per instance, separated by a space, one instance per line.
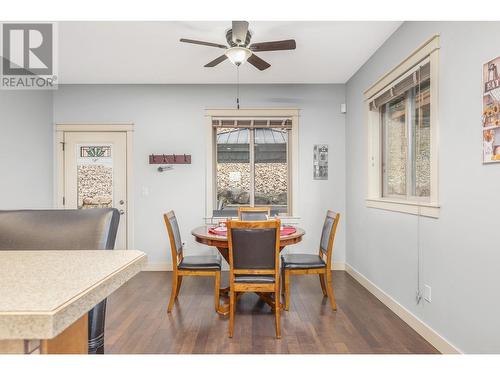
x=461 y=254
x=26 y=159
x=170 y=119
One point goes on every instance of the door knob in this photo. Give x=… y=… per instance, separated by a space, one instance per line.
x=122 y=202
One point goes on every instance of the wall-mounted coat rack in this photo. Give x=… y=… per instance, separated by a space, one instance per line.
x=169 y=159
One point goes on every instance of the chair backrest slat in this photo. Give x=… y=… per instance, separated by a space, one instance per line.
x=174 y=235
x=254 y=213
x=328 y=232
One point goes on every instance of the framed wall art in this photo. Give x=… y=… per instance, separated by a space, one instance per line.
x=320 y=162
x=491 y=111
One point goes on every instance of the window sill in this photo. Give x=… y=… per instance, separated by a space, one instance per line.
x=413 y=208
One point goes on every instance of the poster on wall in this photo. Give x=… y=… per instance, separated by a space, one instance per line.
x=320 y=162
x=491 y=111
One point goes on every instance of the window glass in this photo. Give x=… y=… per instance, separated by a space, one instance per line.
x=406 y=143
x=233 y=170
x=252 y=169
x=395 y=150
x=271 y=169
x=421 y=134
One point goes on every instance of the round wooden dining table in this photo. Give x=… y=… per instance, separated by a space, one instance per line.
x=204 y=236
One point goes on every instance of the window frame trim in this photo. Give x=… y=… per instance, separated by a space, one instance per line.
x=375 y=199
x=292 y=149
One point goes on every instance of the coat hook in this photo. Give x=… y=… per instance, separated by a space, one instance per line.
x=165 y=168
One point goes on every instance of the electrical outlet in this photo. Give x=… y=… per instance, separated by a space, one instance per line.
x=428 y=293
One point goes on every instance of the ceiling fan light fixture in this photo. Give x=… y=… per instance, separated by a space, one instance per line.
x=238 y=55
x=239 y=49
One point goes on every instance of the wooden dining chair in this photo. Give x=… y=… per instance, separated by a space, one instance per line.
x=307 y=264
x=254 y=249
x=207 y=265
x=254 y=213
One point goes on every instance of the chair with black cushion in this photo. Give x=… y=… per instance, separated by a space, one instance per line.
x=90 y=229
x=254 y=213
x=208 y=265
x=254 y=249
x=306 y=264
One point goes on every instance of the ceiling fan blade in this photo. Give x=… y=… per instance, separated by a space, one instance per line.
x=258 y=62
x=215 y=62
x=279 y=45
x=239 y=30
x=203 y=43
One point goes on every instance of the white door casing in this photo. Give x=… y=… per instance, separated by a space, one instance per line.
x=109 y=175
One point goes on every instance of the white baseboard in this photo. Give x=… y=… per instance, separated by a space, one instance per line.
x=434 y=338
x=158 y=266
x=338 y=266
x=164 y=266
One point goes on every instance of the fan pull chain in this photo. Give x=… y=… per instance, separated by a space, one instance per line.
x=237 y=87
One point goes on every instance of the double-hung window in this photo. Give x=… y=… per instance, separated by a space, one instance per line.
x=402 y=132
x=405 y=130
x=252 y=164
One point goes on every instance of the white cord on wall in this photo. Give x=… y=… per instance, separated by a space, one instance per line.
x=419 y=250
x=419 y=291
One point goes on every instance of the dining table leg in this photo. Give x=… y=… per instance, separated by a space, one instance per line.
x=224 y=291
x=224 y=251
x=270 y=300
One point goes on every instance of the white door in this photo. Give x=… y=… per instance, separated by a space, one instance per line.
x=95 y=174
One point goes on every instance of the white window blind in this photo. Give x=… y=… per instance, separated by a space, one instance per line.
x=252 y=123
x=418 y=74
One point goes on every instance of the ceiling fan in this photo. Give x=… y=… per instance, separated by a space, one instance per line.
x=239 y=48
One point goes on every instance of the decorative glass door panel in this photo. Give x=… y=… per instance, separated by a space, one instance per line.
x=94 y=175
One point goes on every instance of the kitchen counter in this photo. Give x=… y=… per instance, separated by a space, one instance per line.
x=42 y=293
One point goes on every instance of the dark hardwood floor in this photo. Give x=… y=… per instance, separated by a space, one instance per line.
x=137 y=320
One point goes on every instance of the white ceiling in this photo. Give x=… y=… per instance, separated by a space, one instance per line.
x=150 y=52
